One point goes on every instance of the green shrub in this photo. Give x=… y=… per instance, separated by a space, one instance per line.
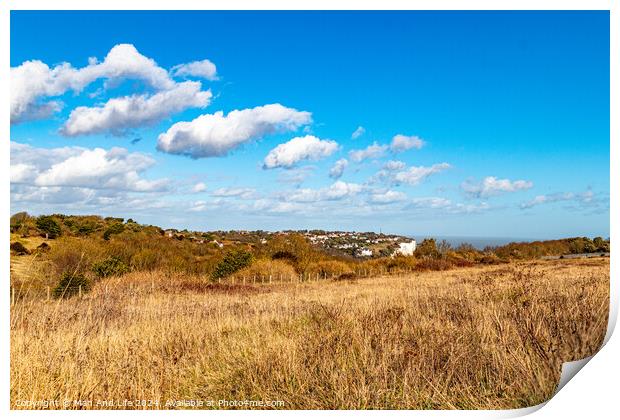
x=115 y=229
x=48 y=226
x=19 y=249
x=112 y=266
x=70 y=285
x=232 y=262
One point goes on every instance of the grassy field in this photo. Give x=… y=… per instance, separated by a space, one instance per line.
x=473 y=338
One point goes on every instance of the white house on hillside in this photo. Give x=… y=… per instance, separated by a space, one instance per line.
x=406 y=248
x=365 y=252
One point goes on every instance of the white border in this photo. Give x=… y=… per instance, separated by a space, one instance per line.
x=592 y=395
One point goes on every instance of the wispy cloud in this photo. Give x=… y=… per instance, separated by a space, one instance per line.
x=416 y=174
x=359 y=131
x=583 y=200
x=243 y=193
x=491 y=186
x=204 y=68
x=199 y=187
x=374 y=151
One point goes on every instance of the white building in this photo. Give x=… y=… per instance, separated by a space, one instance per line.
x=365 y=252
x=406 y=248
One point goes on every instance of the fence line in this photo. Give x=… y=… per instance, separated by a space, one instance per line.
x=253 y=280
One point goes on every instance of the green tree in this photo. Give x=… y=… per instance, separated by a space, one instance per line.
x=233 y=261
x=48 y=226
x=601 y=244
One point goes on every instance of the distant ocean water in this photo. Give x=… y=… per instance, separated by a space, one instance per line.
x=478 y=242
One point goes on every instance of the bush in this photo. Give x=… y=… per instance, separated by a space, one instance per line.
x=43 y=247
x=232 y=262
x=113 y=230
x=433 y=264
x=427 y=249
x=18 y=220
x=48 y=226
x=19 y=249
x=401 y=263
x=112 y=266
x=284 y=255
x=145 y=259
x=76 y=254
x=70 y=285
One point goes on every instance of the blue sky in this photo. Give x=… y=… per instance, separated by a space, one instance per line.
x=478 y=123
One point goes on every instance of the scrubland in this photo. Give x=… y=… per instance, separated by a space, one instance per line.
x=482 y=337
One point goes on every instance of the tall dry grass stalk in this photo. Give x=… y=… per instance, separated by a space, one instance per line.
x=472 y=338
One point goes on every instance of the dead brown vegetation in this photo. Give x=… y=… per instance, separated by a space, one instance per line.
x=471 y=338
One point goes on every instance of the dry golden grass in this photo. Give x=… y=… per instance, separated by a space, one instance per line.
x=474 y=338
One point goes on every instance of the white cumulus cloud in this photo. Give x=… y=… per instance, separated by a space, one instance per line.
x=118 y=115
x=34 y=80
x=217 y=134
x=491 y=186
x=114 y=169
x=400 y=143
x=337 y=170
x=287 y=155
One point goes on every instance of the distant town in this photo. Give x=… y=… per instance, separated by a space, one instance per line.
x=354 y=244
